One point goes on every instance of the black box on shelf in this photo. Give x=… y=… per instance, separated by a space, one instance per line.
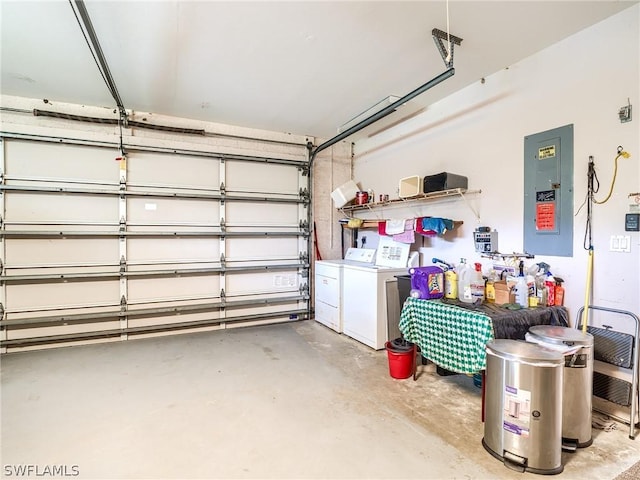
x=444 y=181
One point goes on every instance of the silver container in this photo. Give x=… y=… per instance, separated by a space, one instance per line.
x=578 y=382
x=523 y=406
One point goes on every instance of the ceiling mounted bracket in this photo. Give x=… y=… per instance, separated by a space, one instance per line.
x=440 y=37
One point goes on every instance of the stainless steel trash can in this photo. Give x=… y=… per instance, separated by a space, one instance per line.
x=523 y=406
x=577 y=384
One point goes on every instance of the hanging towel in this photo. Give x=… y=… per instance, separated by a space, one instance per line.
x=421 y=230
x=394 y=226
x=382 y=228
x=439 y=225
x=409 y=235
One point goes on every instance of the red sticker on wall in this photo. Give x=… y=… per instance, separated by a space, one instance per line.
x=545 y=216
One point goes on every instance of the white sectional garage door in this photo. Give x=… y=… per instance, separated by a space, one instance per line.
x=98 y=248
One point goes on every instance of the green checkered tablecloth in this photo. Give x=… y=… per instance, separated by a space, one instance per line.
x=450 y=336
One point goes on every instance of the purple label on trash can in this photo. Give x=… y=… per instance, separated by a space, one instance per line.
x=510 y=427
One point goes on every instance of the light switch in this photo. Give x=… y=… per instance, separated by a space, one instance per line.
x=625 y=243
x=614 y=243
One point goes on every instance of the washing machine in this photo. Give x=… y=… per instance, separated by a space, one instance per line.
x=329 y=285
x=365 y=302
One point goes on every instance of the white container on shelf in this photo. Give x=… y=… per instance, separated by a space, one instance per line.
x=344 y=193
x=410 y=186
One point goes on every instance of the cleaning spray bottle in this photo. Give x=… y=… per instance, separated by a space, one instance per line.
x=477 y=284
x=464 y=282
x=521 y=289
x=550 y=287
x=450 y=278
x=541 y=291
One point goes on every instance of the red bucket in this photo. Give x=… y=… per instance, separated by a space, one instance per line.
x=401 y=363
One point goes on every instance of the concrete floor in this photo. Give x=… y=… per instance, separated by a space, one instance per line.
x=292 y=400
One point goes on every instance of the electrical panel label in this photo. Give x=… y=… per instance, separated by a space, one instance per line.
x=547 y=152
x=546 y=216
x=546 y=196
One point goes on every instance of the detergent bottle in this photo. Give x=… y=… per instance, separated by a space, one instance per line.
x=521 y=288
x=477 y=284
x=490 y=289
x=450 y=278
x=464 y=282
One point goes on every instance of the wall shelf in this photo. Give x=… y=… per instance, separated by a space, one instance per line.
x=401 y=202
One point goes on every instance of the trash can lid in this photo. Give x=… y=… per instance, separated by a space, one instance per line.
x=519 y=350
x=400 y=345
x=561 y=335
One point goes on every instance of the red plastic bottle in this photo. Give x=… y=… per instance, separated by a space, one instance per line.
x=559 y=292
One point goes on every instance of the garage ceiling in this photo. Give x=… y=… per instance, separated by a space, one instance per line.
x=299 y=67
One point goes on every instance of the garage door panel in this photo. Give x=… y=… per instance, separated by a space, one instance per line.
x=254 y=283
x=154 y=289
x=62 y=294
x=256 y=177
x=238 y=248
x=173 y=249
x=61 y=161
x=262 y=214
x=266 y=309
x=175 y=319
x=173 y=170
x=165 y=211
x=68 y=251
x=24 y=207
x=64 y=329
x=104 y=311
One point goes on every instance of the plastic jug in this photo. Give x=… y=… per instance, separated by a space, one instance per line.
x=477 y=284
x=450 y=278
x=464 y=282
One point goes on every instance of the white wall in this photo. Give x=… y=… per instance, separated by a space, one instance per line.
x=479 y=132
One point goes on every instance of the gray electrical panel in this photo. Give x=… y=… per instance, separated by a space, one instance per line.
x=548 y=192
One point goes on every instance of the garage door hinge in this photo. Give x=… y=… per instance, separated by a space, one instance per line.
x=304 y=257
x=304 y=225
x=222 y=261
x=304 y=195
x=123 y=303
x=223 y=225
x=1 y=268
x=2 y=311
x=222 y=296
x=123 y=264
x=304 y=290
x=222 y=189
x=304 y=170
x=1 y=221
